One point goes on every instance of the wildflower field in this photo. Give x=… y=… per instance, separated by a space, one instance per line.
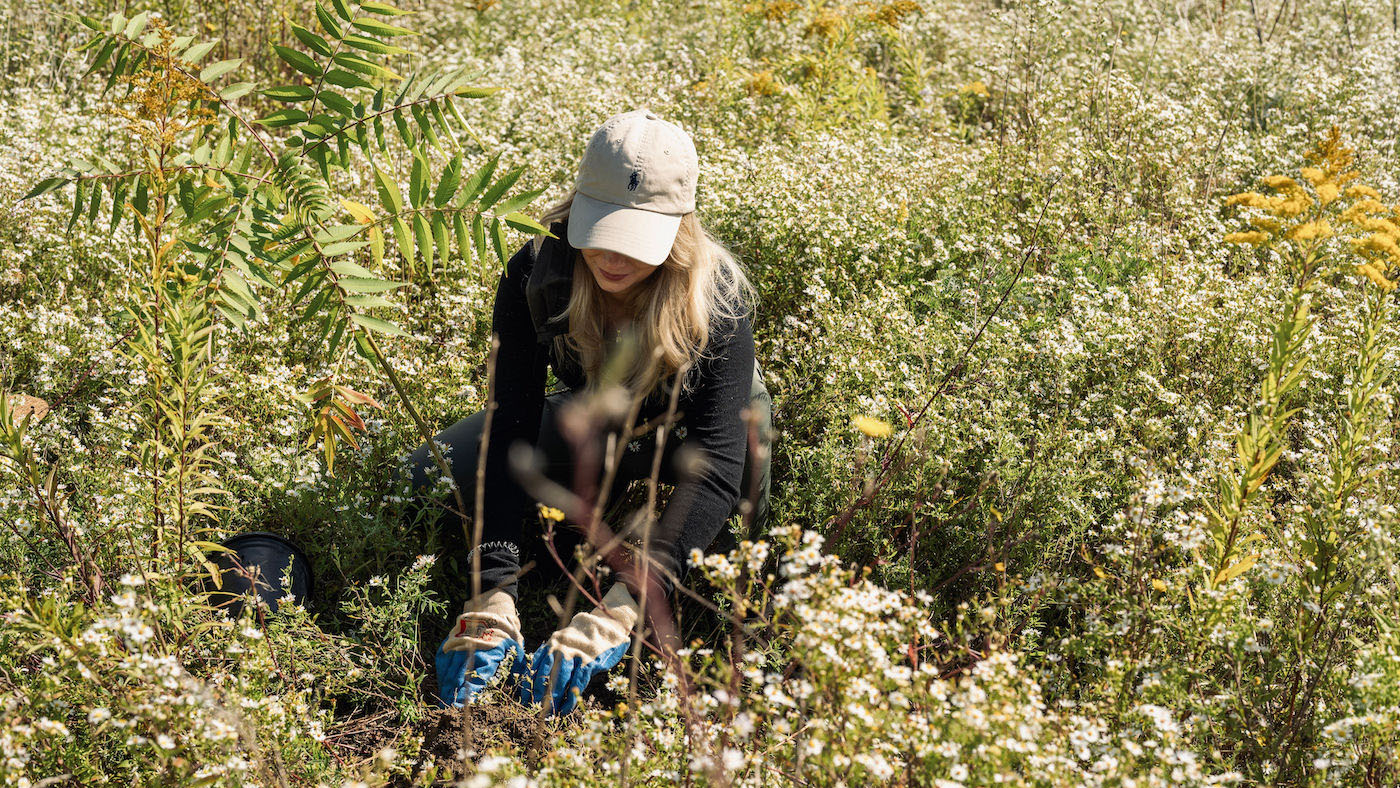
x=1078 y=316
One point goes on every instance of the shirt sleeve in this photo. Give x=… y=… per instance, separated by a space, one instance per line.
x=519 y=395
x=702 y=502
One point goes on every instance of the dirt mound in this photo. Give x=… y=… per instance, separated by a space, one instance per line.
x=493 y=726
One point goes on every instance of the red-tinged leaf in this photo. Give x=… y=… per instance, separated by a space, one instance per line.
x=357 y=397
x=342 y=430
x=350 y=416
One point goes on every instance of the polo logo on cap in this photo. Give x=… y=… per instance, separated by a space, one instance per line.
x=632 y=184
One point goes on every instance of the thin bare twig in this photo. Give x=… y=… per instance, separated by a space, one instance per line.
x=639 y=627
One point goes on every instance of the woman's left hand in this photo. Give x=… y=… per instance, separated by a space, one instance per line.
x=592 y=643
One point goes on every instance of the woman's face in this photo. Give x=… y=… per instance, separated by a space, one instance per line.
x=616 y=273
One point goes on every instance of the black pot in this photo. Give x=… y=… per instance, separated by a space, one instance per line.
x=264 y=556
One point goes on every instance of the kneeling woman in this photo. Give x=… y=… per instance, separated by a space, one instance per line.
x=631 y=256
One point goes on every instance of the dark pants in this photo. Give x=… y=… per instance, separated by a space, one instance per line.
x=502 y=542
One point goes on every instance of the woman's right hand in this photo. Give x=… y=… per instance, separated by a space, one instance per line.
x=590 y=645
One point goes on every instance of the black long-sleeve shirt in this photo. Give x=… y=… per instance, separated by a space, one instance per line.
x=722 y=380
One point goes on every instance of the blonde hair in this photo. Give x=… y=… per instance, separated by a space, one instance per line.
x=699 y=283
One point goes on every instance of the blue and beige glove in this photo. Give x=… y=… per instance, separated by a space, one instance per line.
x=485 y=636
x=593 y=642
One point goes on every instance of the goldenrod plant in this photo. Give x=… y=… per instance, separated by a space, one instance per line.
x=1297 y=222
x=1259 y=656
x=171 y=331
x=847 y=58
x=1324 y=225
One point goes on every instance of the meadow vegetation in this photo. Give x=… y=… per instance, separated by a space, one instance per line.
x=1078 y=318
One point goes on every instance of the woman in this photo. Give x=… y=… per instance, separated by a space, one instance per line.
x=630 y=255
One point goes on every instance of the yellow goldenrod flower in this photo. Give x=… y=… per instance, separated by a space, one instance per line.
x=977 y=87
x=1376 y=276
x=550 y=513
x=828 y=23
x=1327 y=192
x=1364 y=214
x=873 y=427
x=1248 y=237
x=1362 y=219
x=1310 y=230
x=1248 y=200
x=775 y=11
x=890 y=13
x=1264 y=224
x=1379 y=242
x=762 y=83
x=1334 y=158
x=1367 y=206
x=1314 y=175
x=1296 y=203
x=1362 y=190
x=1279 y=182
x=1367 y=223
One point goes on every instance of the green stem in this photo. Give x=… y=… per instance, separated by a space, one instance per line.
x=418 y=421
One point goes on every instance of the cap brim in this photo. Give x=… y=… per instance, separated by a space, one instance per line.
x=640 y=234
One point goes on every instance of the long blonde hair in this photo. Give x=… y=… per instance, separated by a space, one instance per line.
x=700 y=282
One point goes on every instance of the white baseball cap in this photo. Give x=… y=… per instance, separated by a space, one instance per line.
x=635 y=182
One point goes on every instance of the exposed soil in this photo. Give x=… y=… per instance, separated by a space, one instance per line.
x=494 y=726
x=448 y=751
x=497 y=724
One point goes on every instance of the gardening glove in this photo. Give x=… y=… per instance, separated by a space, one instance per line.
x=486 y=634
x=592 y=643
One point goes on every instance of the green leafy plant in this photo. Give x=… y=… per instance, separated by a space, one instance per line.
x=233 y=205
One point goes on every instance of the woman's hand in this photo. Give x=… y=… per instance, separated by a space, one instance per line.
x=485 y=635
x=592 y=643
